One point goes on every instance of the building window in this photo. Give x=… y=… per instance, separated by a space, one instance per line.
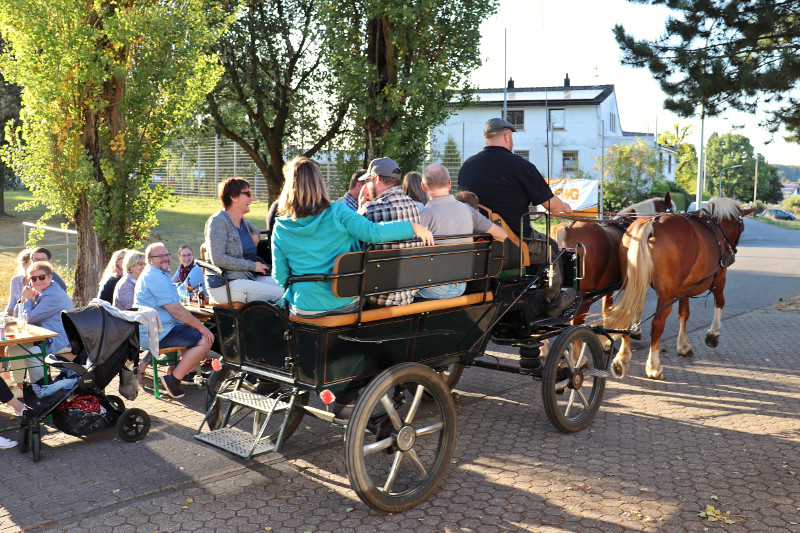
x=569 y=161
x=524 y=154
x=517 y=118
x=557 y=119
x=612 y=122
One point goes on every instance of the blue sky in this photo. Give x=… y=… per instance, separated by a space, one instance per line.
x=547 y=39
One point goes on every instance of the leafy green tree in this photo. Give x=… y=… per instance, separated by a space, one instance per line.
x=278 y=91
x=104 y=83
x=686 y=169
x=402 y=62
x=631 y=172
x=734 y=149
x=9 y=114
x=734 y=54
x=452 y=157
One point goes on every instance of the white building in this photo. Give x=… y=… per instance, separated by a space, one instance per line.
x=585 y=119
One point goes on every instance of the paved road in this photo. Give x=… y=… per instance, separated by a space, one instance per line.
x=721 y=430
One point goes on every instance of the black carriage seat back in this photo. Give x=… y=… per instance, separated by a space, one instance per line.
x=411 y=268
x=415 y=268
x=511 y=251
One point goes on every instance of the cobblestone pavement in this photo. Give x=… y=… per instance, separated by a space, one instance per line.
x=721 y=430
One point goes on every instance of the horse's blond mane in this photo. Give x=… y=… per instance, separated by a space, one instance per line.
x=724 y=207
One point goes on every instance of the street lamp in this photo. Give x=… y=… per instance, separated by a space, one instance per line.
x=720 y=177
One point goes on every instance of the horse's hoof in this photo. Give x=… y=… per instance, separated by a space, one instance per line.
x=690 y=353
x=712 y=340
x=618 y=370
x=636 y=336
x=660 y=375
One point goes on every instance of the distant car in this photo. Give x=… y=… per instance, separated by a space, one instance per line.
x=777 y=214
x=693 y=206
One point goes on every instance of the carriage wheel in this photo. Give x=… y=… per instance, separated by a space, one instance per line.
x=397 y=447
x=221 y=381
x=452 y=374
x=574 y=379
x=133 y=425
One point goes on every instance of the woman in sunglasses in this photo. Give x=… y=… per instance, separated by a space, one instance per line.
x=43 y=302
x=231 y=241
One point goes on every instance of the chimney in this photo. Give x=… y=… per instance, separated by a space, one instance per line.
x=566 y=80
x=510 y=83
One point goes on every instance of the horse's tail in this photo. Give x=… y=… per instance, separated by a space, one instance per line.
x=637 y=280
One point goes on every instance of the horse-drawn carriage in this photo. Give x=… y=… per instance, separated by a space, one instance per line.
x=400 y=361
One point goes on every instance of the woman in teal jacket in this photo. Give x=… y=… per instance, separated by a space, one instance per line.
x=310 y=232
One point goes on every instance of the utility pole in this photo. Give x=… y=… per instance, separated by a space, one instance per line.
x=755 y=186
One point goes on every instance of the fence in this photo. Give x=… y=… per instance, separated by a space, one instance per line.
x=194 y=168
x=52 y=246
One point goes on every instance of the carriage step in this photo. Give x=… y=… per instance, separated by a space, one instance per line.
x=596 y=373
x=236 y=442
x=254 y=401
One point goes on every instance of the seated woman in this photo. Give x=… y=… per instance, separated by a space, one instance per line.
x=111 y=275
x=133 y=264
x=19 y=280
x=412 y=187
x=230 y=243
x=189 y=274
x=310 y=232
x=43 y=300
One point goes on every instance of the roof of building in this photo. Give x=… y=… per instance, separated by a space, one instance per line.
x=551 y=96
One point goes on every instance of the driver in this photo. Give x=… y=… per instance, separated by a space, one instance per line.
x=507 y=184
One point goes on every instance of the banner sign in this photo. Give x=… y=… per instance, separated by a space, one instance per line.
x=581 y=195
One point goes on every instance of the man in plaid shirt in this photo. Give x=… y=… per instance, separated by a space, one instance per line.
x=382 y=200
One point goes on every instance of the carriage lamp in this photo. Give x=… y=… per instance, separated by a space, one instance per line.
x=327 y=398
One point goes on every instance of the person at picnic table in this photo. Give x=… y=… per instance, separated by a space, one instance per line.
x=188 y=274
x=43 y=300
x=154 y=288
x=310 y=232
x=7 y=397
x=43 y=254
x=231 y=244
x=133 y=264
x=111 y=275
x=19 y=280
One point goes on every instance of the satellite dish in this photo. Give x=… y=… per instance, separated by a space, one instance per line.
x=556 y=139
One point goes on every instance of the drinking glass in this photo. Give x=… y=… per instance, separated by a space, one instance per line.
x=22 y=321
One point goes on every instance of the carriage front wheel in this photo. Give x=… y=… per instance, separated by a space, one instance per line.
x=400 y=437
x=574 y=379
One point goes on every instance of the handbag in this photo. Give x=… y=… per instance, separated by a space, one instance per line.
x=129 y=382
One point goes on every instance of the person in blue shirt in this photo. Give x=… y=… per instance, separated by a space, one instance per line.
x=43 y=254
x=43 y=300
x=310 y=232
x=155 y=289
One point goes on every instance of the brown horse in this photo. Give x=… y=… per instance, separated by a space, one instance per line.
x=679 y=256
x=599 y=249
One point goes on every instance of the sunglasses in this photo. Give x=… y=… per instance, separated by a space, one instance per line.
x=246 y=193
x=40 y=277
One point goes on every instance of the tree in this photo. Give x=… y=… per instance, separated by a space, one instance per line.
x=686 y=169
x=725 y=54
x=452 y=158
x=277 y=90
x=403 y=62
x=631 y=171
x=9 y=114
x=104 y=83
x=733 y=149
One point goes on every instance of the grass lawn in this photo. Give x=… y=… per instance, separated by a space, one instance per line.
x=179 y=223
x=788 y=224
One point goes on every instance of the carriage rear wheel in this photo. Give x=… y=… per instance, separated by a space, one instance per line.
x=451 y=374
x=133 y=425
x=397 y=446
x=224 y=380
x=574 y=379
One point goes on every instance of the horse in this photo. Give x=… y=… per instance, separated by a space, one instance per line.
x=679 y=255
x=599 y=250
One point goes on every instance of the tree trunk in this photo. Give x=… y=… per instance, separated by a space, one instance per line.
x=88 y=266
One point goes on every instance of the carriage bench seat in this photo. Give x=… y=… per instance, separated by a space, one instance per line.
x=380 y=271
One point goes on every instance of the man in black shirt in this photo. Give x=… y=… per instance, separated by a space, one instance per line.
x=508 y=184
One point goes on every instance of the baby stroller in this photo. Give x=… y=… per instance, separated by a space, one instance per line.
x=102 y=344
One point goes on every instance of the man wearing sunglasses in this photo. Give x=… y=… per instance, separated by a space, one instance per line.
x=43 y=300
x=154 y=289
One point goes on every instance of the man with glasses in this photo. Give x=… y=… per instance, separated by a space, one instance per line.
x=508 y=184
x=43 y=254
x=154 y=289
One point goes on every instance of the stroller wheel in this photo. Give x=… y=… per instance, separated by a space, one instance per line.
x=36 y=444
x=24 y=437
x=116 y=402
x=133 y=425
